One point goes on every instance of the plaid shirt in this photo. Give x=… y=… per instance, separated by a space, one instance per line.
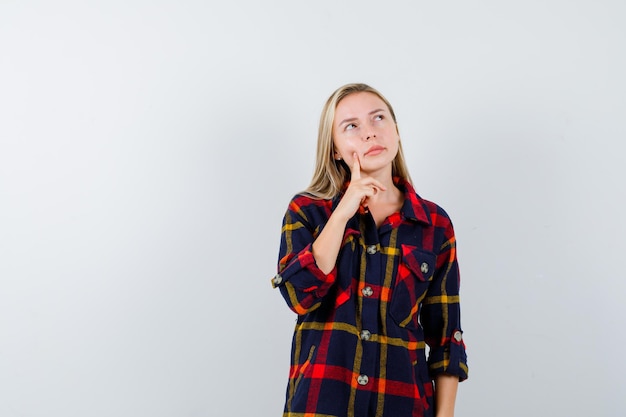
x=359 y=342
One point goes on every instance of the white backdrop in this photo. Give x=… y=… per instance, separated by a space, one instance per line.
x=148 y=150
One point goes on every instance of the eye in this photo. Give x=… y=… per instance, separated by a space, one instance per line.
x=350 y=126
x=379 y=117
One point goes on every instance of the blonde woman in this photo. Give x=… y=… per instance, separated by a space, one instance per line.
x=371 y=270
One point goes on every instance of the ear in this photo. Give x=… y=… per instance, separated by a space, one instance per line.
x=337 y=156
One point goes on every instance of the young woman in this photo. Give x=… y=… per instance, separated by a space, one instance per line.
x=371 y=270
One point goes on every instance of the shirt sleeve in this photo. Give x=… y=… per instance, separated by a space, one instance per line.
x=441 y=317
x=302 y=284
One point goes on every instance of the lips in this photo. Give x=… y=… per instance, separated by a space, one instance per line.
x=374 y=150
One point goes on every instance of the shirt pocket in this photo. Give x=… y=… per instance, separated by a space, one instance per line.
x=415 y=272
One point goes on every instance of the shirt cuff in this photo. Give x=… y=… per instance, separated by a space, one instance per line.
x=449 y=359
x=311 y=280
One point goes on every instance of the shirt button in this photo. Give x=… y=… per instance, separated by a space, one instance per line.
x=367 y=291
x=424 y=268
x=362 y=379
x=458 y=336
x=277 y=279
x=371 y=249
x=365 y=335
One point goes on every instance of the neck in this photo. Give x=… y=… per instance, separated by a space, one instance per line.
x=392 y=195
x=384 y=203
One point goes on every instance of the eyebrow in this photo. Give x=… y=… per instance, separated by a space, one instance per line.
x=352 y=119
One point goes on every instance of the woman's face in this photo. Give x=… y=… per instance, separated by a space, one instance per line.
x=364 y=125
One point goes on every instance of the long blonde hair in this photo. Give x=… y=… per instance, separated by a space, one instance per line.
x=330 y=175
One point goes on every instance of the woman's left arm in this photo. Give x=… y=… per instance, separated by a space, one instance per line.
x=445 y=394
x=441 y=319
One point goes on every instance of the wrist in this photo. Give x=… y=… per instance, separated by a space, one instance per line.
x=338 y=218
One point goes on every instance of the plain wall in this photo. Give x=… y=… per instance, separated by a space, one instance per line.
x=148 y=150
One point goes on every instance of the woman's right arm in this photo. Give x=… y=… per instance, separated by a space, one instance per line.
x=327 y=245
x=307 y=266
x=301 y=282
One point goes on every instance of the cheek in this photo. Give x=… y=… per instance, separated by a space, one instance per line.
x=395 y=144
x=346 y=146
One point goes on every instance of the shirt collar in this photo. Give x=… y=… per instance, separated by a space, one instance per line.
x=414 y=207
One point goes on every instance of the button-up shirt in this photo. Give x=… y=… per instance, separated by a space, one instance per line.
x=359 y=346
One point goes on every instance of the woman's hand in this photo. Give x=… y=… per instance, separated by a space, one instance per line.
x=326 y=246
x=358 y=192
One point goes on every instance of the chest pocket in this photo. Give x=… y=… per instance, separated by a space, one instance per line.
x=415 y=272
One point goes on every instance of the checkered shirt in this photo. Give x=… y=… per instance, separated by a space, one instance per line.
x=359 y=345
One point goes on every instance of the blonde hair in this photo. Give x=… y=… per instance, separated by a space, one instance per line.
x=330 y=175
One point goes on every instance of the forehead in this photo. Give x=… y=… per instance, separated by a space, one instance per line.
x=353 y=105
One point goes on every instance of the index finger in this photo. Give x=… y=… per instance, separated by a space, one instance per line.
x=356 y=167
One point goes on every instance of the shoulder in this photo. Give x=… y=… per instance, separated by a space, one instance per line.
x=438 y=216
x=440 y=228
x=440 y=222
x=308 y=201
x=308 y=206
x=425 y=211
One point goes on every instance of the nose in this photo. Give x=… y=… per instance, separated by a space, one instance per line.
x=369 y=136
x=369 y=131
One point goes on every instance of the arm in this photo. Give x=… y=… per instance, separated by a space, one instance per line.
x=445 y=394
x=299 y=279
x=441 y=314
x=306 y=269
x=327 y=245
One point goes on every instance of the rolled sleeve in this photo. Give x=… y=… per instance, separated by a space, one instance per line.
x=299 y=279
x=449 y=358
